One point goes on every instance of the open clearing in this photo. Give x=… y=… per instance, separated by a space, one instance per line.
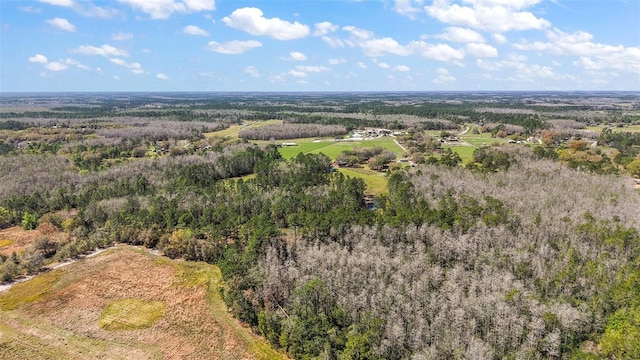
x=17 y=239
x=57 y=315
x=376 y=181
x=233 y=130
x=626 y=128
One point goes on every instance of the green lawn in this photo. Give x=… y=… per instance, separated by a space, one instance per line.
x=333 y=148
x=376 y=181
x=465 y=152
x=484 y=138
x=304 y=146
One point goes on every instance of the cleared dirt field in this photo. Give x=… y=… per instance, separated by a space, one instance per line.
x=57 y=315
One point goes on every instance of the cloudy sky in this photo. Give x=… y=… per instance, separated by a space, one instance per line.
x=319 y=45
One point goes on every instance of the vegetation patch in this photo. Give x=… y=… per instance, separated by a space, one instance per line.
x=131 y=314
x=5 y=242
x=193 y=275
x=29 y=291
x=376 y=182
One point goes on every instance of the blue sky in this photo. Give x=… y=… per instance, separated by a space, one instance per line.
x=319 y=45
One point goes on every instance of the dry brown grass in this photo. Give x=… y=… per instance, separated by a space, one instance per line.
x=17 y=239
x=64 y=321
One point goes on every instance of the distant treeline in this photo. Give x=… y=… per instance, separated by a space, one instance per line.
x=291 y=131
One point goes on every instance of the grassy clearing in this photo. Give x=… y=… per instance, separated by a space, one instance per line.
x=304 y=146
x=465 y=152
x=131 y=314
x=169 y=309
x=30 y=291
x=233 y=130
x=376 y=181
x=483 y=139
x=333 y=148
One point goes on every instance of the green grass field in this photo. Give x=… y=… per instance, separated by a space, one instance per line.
x=465 y=152
x=376 y=182
x=130 y=314
x=333 y=148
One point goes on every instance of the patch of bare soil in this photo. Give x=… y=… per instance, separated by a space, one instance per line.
x=18 y=239
x=66 y=318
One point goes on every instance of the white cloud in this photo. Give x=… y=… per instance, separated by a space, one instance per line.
x=162 y=9
x=384 y=65
x=481 y=50
x=314 y=69
x=104 y=50
x=457 y=34
x=162 y=76
x=302 y=71
x=513 y=61
x=333 y=42
x=592 y=55
x=84 y=8
x=65 y=3
x=384 y=46
x=252 y=71
x=233 y=47
x=252 y=21
x=76 y=63
x=357 y=33
x=373 y=46
x=91 y=10
x=324 y=28
x=297 y=56
x=361 y=65
x=120 y=36
x=118 y=62
x=516 y=66
x=62 y=24
x=30 y=9
x=299 y=74
x=440 y=52
x=277 y=78
x=70 y=61
x=499 y=38
x=408 y=8
x=194 y=30
x=443 y=76
x=56 y=66
x=402 y=68
x=38 y=58
x=200 y=5
x=489 y=15
x=135 y=68
x=337 y=61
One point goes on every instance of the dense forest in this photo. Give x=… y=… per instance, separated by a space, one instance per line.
x=529 y=252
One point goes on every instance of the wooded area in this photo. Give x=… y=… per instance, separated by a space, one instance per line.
x=523 y=252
